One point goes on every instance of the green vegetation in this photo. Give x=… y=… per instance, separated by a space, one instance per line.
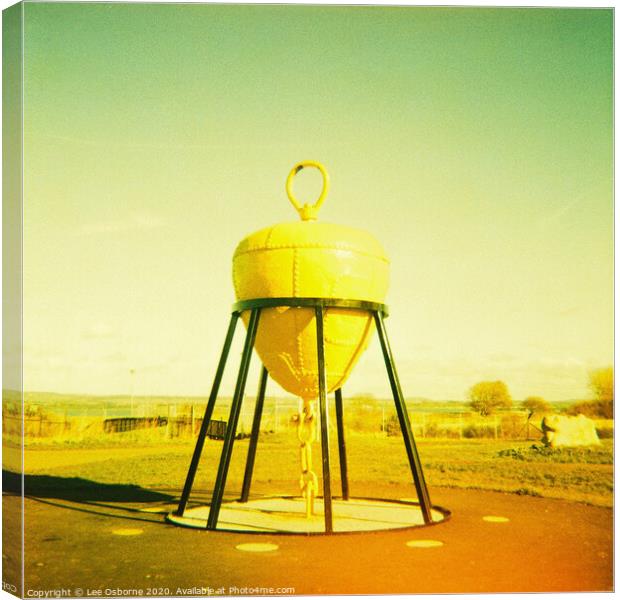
x=564 y=473
x=592 y=409
x=458 y=448
x=157 y=420
x=487 y=396
x=375 y=462
x=601 y=382
x=593 y=455
x=536 y=405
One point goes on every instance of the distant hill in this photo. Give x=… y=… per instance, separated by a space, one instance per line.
x=416 y=403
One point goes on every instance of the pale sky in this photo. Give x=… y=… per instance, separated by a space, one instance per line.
x=475 y=144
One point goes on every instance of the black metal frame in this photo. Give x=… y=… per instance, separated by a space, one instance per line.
x=378 y=311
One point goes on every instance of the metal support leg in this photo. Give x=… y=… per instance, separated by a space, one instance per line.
x=191 y=473
x=342 y=450
x=233 y=420
x=327 y=493
x=403 y=418
x=258 y=411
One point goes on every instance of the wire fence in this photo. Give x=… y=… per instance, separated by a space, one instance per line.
x=184 y=421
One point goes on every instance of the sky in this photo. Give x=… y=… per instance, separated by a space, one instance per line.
x=475 y=144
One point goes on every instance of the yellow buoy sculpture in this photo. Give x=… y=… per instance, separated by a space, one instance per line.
x=310 y=259
x=311 y=295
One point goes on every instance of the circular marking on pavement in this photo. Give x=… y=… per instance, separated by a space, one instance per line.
x=495 y=519
x=155 y=509
x=127 y=531
x=424 y=543
x=257 y=547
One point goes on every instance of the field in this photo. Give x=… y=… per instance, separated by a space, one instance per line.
x=584 y=475
x=69 y=436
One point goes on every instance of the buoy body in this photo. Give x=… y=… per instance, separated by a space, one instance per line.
x=310 y=259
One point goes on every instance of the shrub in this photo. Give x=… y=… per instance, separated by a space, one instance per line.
x=605 y=433
x=511 y=453
x=478 y=431
x=527 y=492
x=392 y=426
x=512 y=426
x=536 y=404
x=539 y=453
x=603 y=409
x=431 y=430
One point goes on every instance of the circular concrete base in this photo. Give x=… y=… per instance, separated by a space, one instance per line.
x=288 y=515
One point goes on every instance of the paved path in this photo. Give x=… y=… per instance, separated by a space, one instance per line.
x=546 y=545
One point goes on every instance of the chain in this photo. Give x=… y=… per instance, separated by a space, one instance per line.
x=306 y=432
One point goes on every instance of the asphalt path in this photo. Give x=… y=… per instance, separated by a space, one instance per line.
x=110 y=547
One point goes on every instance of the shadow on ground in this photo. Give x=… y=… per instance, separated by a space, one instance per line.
x=77 y=489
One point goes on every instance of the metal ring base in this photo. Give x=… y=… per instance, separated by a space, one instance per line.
x=253 y=303
x=286 y=515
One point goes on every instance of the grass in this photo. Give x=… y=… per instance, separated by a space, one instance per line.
x=559 y=476
x=538 y=452
x=584 y=475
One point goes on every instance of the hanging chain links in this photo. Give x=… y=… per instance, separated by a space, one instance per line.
x=306 y=432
